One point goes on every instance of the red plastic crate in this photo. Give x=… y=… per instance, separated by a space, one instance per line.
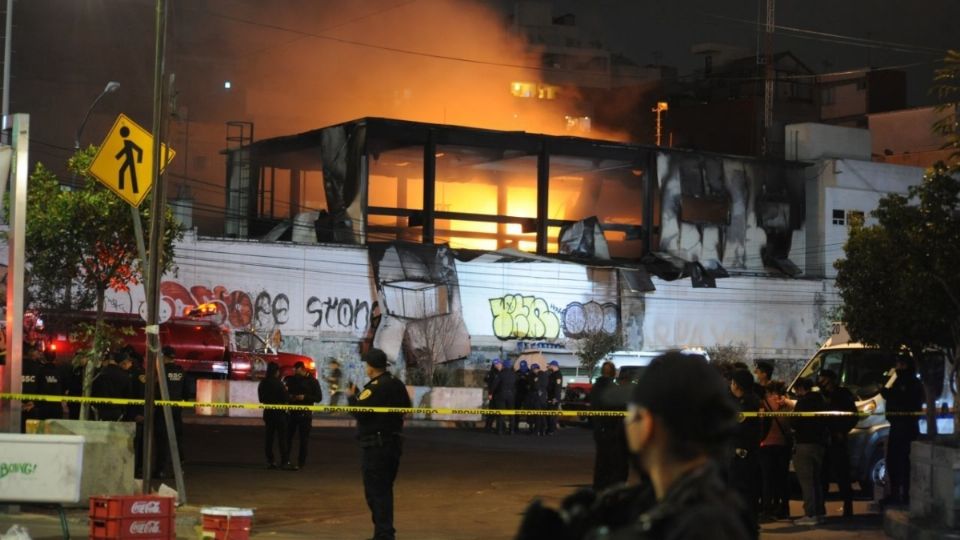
x=141 y=528
x=130 y=506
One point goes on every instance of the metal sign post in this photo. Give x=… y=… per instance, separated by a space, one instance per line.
x=10 y=372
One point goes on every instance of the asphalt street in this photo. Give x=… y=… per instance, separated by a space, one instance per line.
x=455 y=484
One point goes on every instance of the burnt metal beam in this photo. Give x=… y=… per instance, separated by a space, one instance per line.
x=543 y=201
x=429 y=187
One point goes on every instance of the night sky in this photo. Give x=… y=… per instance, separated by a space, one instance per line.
x=287 y=80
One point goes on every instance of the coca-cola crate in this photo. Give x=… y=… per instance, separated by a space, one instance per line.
x=140 y=528
x=128 y=506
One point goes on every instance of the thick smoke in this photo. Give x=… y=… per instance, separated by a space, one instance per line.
x=465 y=57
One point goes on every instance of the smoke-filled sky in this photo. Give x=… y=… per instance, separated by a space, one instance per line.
x=297 y=65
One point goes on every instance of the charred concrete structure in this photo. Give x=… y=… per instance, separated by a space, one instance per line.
x=376 y=180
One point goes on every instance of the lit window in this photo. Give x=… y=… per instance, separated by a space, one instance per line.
x=578 y=124
x=839 y=217
x=523 y=89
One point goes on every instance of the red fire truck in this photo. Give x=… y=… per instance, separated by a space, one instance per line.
x=204 y=349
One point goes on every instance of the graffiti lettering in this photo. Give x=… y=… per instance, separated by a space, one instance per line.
x=580 y=320
x=519 y=317
x=339 y=313
x=267 y=312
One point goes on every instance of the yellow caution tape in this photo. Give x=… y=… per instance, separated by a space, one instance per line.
x=418 y=410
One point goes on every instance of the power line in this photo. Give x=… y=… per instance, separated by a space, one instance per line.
x=805 y=33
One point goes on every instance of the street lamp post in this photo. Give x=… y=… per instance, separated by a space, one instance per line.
x=111 y=87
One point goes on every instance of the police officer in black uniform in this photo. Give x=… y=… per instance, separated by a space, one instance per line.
x=272 y=391
x=134 y=413
x=177 y=391
x=31 y=382
x=304 y=390
x=679 y=424
x=504 y=394
x=537 y=399
x=489 y=381
x=380 y=439
x=554 y=388
x=111 y=382
x=74 y=384
x=904 y=396
x=52 y=385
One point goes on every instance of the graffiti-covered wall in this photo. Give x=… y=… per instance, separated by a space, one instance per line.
x=744 y=214
x=299 y=290
x=537 y=300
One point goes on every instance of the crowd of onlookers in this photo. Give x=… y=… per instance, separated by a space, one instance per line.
x=693 y=432
x=763 y=445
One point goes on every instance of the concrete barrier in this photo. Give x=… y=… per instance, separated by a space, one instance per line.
x=108 y=459
x=420 y=396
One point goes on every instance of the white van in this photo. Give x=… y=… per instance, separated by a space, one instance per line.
x=864 y=371
x=631 y=364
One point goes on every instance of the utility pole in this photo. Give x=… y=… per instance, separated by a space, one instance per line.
x=768 y=80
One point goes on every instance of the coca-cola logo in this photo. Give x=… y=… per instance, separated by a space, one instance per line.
x=145 y=527
x=145 y=507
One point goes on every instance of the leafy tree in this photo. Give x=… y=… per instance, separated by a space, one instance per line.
x=594 y=347
x=899 y=281
x=946 y=87
x=80 y=243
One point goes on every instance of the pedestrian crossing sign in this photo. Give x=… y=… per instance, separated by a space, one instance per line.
x=124 y=162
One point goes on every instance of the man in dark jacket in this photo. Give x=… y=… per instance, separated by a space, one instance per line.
x=745 y=467
x=489 y=381
x=272 y=391
x=904 y=396
x=554 y=389
x=612 y=464
x=837 y=462
x=504 y=393
x=111 y=382
x=52 y=385
x=380 y=439
x=810 y=436
x=304 y=390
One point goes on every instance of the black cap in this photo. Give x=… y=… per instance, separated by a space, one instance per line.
x=298 y=365
x=691 y=397
x=169 y=351
x=375 y=358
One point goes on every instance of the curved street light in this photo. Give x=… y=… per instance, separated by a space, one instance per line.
x=111 y=87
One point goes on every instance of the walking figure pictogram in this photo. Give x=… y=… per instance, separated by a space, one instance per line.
x=129 y=147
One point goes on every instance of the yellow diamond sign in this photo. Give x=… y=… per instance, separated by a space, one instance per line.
x=124 y=162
